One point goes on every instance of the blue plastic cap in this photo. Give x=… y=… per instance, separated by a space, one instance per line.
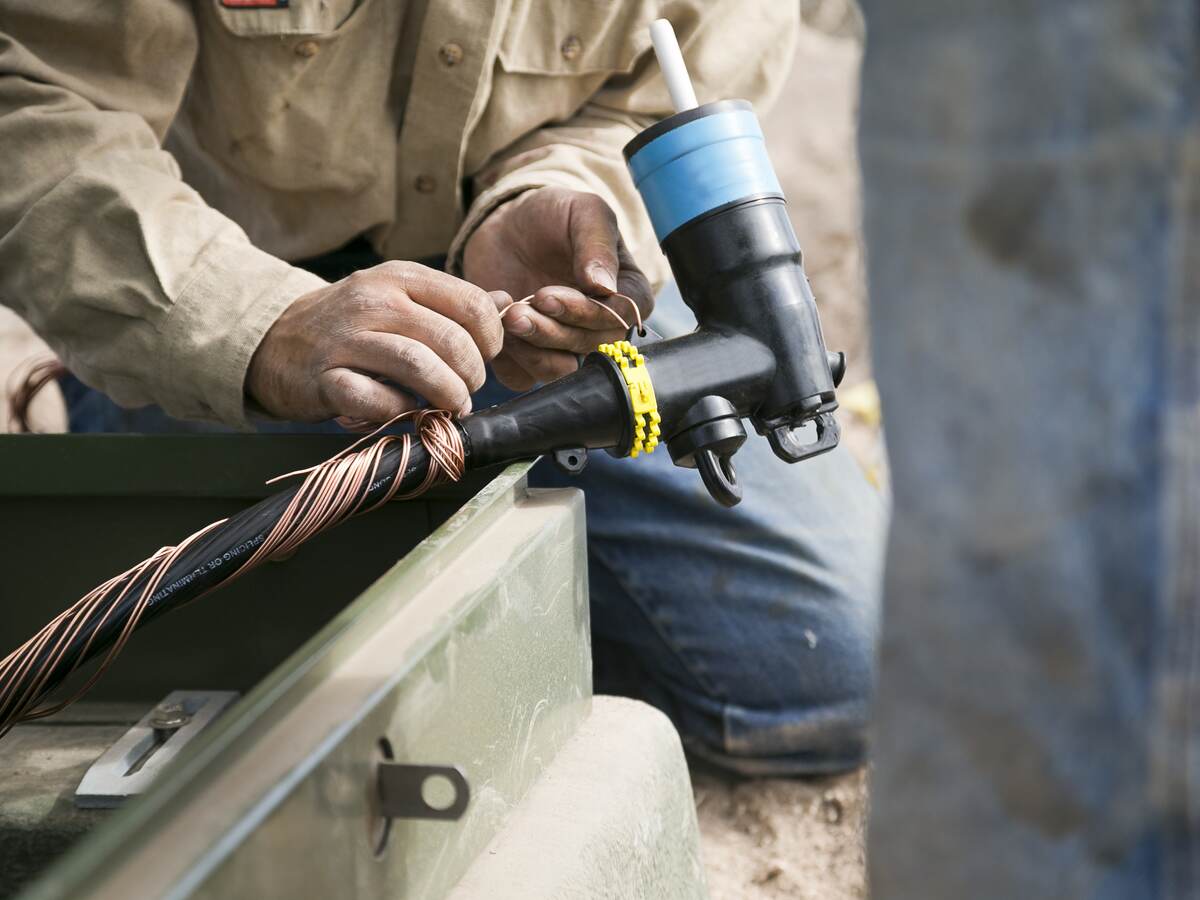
x=703 y=164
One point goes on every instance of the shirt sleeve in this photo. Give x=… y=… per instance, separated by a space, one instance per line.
x=143 y=290
x=733 y=48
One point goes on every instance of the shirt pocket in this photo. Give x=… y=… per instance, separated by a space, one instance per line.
x=580 y=37
x=552 y=58
x=281 y=105
x=297 y=17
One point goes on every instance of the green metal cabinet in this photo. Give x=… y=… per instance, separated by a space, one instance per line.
x=471 y=651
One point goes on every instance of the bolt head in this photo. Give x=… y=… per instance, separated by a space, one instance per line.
x=170 y=716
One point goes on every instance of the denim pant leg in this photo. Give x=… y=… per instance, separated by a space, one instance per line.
x=752 y=627
x=1032 y=196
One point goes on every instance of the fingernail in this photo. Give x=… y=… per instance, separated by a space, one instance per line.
x=520 y=325
x=548 y=305
x=602 y=277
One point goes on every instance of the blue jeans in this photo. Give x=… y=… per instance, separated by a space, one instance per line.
x=1032 y=197
x=753 y=628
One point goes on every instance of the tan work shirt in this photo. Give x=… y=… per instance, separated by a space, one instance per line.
x=161 y=159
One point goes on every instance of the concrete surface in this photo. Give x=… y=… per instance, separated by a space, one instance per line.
x=40 y=767
x=612 y=817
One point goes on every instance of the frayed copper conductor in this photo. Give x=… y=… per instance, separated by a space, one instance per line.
x=38 y=374
x=637 y=312
x=331 y=492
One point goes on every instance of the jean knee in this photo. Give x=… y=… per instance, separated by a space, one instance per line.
x=755 y=626
x=781 y=684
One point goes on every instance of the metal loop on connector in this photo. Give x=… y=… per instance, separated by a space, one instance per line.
x=719 y=477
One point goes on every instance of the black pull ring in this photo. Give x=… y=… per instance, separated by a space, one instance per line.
x=719 y=477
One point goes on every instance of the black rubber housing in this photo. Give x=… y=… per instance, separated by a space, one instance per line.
x=707 y=362
x=740 y=269
x=670 y=123
x=588 y=408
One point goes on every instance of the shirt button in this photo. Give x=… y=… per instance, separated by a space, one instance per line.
x=450 y=54
x=570 y=47
x=308 y=49
x=426 y=184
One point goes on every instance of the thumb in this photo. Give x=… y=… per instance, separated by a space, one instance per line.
x=594 y=236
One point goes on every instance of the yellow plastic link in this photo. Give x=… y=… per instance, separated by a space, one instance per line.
x=646 y=419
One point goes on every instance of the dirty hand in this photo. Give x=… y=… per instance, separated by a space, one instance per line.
x=426 y=332
x=568 y=240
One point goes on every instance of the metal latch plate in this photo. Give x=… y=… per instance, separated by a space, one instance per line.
x=129 y=766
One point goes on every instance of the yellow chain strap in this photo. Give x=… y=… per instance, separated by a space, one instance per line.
x=641 y=393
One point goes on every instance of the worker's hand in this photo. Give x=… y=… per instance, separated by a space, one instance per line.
x=426 y=332
x=568 y=240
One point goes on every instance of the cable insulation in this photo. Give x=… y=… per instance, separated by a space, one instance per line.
x=371 y=472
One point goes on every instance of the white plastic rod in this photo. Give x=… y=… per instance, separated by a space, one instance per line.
x=670 y=60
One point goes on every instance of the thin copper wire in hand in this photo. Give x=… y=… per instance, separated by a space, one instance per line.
x=637 y=312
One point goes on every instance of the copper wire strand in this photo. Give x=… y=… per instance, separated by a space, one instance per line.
x=165 y=558
x=18 y=709
x=330 y=493
x=637 y=312
x=37 y=374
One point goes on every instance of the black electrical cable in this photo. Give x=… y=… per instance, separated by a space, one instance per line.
x=213 y=559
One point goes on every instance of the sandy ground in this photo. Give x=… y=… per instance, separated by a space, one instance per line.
x=770 y=838
x=783 y=838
